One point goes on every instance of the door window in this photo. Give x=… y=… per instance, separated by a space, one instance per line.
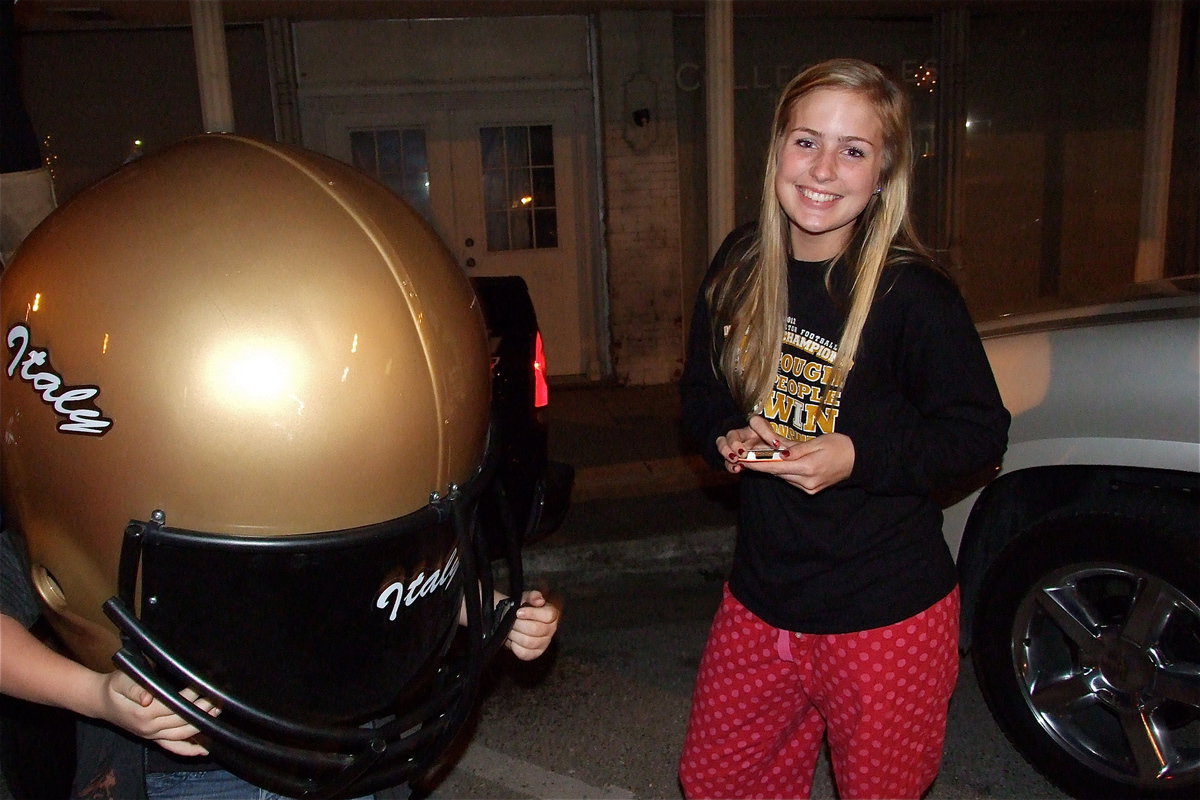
x=519 y=203
x=397 y=158
x=499 y=183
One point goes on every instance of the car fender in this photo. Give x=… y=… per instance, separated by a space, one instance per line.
x=1100 y=476
x=1099 y=396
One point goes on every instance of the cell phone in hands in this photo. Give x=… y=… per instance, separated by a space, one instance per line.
x=762 y=455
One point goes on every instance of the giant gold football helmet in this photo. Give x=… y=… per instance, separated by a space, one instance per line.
x=245 y=416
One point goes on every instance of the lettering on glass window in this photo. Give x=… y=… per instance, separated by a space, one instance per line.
x=396 y=157
x=519 y=203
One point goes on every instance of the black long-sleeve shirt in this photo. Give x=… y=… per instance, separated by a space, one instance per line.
x=922 y=409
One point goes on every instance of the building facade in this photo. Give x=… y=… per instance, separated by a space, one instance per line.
x=1057 y=152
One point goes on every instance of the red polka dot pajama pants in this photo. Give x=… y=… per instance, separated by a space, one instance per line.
x=764 y=698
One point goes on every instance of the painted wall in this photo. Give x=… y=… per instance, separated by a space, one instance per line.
x=369 y=53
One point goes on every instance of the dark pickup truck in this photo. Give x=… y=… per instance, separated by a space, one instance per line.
x=534 y=490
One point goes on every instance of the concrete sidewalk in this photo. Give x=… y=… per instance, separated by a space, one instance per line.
x=641 y=500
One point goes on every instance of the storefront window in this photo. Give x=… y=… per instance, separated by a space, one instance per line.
x=1029 y=180
x=770 y=50
x=1053 y=155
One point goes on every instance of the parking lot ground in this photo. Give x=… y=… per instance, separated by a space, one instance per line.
x=603 y=715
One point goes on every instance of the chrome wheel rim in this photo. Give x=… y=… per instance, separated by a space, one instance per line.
x=1108 y=661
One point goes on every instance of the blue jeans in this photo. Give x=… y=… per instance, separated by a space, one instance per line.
x=209 y=785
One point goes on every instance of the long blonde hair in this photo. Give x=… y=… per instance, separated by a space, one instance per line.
x=748 y=296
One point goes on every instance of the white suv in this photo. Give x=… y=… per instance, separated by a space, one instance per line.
x=1080 y=559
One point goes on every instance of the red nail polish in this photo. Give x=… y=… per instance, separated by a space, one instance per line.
x=785 y=453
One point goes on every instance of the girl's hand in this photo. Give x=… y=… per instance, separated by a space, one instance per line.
x=131 y=706
x=739 y=441
x=534 y=628
x=810 y=466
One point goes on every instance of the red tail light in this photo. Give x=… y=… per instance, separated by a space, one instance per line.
x=541 y=389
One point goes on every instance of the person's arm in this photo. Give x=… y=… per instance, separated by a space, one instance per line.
x=31 y=671
x=948 y=425
x=952 y=424
x=708 y=411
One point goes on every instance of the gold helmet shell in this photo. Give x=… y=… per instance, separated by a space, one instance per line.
x=256 y=339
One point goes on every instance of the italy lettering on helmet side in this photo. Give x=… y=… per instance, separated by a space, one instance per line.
x=407 y=593
x=76 y=403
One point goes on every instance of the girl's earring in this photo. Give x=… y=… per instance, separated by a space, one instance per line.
x=878 y=189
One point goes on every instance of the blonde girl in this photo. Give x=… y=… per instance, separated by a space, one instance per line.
x=826 y=340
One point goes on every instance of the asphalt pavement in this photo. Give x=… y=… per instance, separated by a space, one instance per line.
x=642 y=500
x=637 y=566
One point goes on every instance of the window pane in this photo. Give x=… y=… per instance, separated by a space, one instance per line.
x=541 y=145
x=414 y=151
x=1056 y=100
x=543 y=187
x=396 y=158
x=362 y=149
x=416 y=192
x=521 y=227
x=519 y=188
x=390 y=157
x=512 y=186
x=491 y=147
x=495 y=195
x=516 y=143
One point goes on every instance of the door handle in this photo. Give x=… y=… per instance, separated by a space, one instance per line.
x=469 y=242
x=470 y=262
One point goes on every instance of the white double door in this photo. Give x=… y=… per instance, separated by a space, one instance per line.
x=502 y=184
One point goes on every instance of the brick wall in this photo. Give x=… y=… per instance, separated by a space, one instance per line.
x=641 y=173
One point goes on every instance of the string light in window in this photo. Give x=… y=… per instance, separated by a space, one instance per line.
x=925 y=77
x=49 y=157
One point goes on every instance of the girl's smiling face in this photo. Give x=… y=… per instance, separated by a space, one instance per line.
x=829 y=162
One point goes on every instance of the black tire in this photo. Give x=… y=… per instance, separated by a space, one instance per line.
x=1087 y=650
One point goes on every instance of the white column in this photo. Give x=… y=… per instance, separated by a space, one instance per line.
x=1159 y=133
x=718 y=104
x=212 y=66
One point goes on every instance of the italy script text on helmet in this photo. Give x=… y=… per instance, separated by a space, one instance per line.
x=75 y=403
x=421 y=585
